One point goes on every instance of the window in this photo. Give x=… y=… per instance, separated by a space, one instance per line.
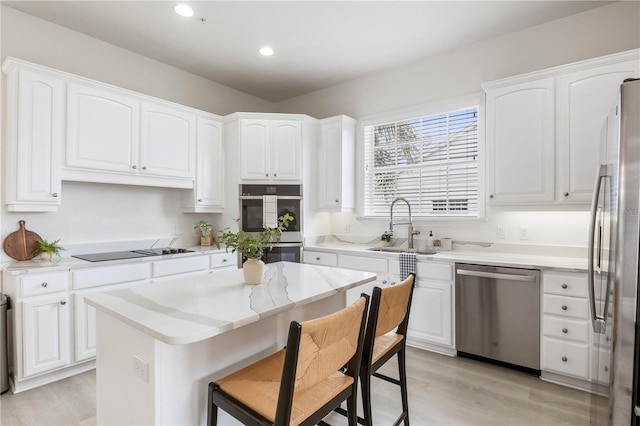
x=432 y=161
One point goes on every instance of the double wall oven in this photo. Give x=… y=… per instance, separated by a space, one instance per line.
x=261 y=205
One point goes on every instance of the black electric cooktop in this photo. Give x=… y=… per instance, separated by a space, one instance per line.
x=132 y=254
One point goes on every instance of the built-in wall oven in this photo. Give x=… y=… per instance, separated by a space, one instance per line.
x=262 y=205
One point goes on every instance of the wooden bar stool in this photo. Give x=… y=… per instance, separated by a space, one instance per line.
x=302 y=383
x=389 y=310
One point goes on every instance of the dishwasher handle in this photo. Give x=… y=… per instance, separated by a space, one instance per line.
x=495 y=275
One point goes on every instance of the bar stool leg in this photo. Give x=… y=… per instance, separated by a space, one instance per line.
x=365 y=382
x=402 y=371
x=212 y=410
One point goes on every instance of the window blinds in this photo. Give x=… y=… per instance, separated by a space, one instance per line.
x=431 y=161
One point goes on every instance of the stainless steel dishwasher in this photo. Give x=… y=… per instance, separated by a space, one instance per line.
x=498 y=315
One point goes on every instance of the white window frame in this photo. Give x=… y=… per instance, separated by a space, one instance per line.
x=433 y=108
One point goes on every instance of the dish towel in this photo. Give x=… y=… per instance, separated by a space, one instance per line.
x=270 y=210
x=407 y=265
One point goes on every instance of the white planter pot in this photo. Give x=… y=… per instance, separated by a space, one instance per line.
x=385 y=243
x=253 y=270
x=45 y=256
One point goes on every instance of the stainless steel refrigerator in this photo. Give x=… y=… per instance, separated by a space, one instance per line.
x=614 y=244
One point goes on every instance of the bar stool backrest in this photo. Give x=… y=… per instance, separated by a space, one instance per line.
x=394 y=303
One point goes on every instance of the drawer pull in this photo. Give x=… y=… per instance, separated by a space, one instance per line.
x=384 y=281
x=63 y=302
x=564 y=286
x=44 y=284
x=565 y=331
x=564 y=359
x=224 y=260
x=564 y=307
x=318 y=258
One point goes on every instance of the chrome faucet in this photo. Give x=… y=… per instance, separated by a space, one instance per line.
x=410 y=231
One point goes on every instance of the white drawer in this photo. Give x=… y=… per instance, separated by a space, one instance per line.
x=573 y=307
x=565 y=357
x=37 y=284
x=223 y=260
x=565 y=284
x=180 y=265
x=566 y=329
x=363 y=263
x=320 y=258
x=93 y=277
x=427 y=270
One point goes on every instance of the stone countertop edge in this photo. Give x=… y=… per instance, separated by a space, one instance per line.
x=64 y=263
x=176 y=326
x=519 y=260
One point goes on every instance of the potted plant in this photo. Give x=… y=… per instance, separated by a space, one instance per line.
x=46 y=249
x=385 y=238
x=252 y=245
x=206 y=236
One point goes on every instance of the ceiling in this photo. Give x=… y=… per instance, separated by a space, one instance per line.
x=317 y=43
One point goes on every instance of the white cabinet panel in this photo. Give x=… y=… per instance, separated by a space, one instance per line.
x=430 y=319
x=521 y=142
x=363 y=263
x=35 y=128
x=167 y=143
x=181 y=265
x=41 y=284
x=85 y=328
x=255 y=141
x=102 y=129
x=223 y=261
x=320 y=258
x=565 y=284
x=101 y=276
x=584 y=99
x=45 y=334
x=566 y=306
x=336 y=164
x=569 y=358
x=270 y=150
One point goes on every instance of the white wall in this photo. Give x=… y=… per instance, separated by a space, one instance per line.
x=98 y=212
x=610 y=29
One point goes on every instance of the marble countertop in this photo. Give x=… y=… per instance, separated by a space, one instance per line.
x=189 y=310
x=486 y=257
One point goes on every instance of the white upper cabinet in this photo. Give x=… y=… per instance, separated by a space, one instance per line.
x=207 y=195
x=544 y=128
x=584 y=98
x=520 y=143
x=336 y=164
x=270 y=150
x=103 y=129
x=35 y=126
x=167 y=141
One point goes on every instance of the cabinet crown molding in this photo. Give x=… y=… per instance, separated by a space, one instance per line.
x=564 y=69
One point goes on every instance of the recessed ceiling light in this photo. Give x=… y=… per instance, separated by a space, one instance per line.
x=183 y=10
x=266 y=51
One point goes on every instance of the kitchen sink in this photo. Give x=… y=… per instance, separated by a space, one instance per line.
x=401 y=249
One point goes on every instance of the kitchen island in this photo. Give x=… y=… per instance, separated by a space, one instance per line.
x=159 y=345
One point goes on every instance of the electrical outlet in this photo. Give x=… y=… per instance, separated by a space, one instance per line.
x=524 y=232
x=177 y=230
x=500 y=234
x=141 y=369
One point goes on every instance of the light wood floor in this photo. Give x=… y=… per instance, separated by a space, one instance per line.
x=442 y=391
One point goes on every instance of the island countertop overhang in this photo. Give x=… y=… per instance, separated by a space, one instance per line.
x=189 y=310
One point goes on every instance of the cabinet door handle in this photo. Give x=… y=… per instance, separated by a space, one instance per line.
x=566 y=194
x=564 y=286
x=318 y=258
x=44 y=284
x=199 y=200
x=54 y=195
x=134 y=167
x=565 y=331
x=275 y=174
x=224 y=260
x=266 y=174
x=564 y=307
x=144 y=167
x=491 y=196
x=63 y=302
x=384 y=281
x=564 y=359
x=337 y=201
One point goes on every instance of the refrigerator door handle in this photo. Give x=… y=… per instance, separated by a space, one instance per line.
x=598 y=321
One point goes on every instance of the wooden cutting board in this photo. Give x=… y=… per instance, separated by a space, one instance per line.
x=21 y=244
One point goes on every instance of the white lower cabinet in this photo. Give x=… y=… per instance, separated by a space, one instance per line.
x=45 y=334
x=54 y=331
x=568 y=355
x=431 y=314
